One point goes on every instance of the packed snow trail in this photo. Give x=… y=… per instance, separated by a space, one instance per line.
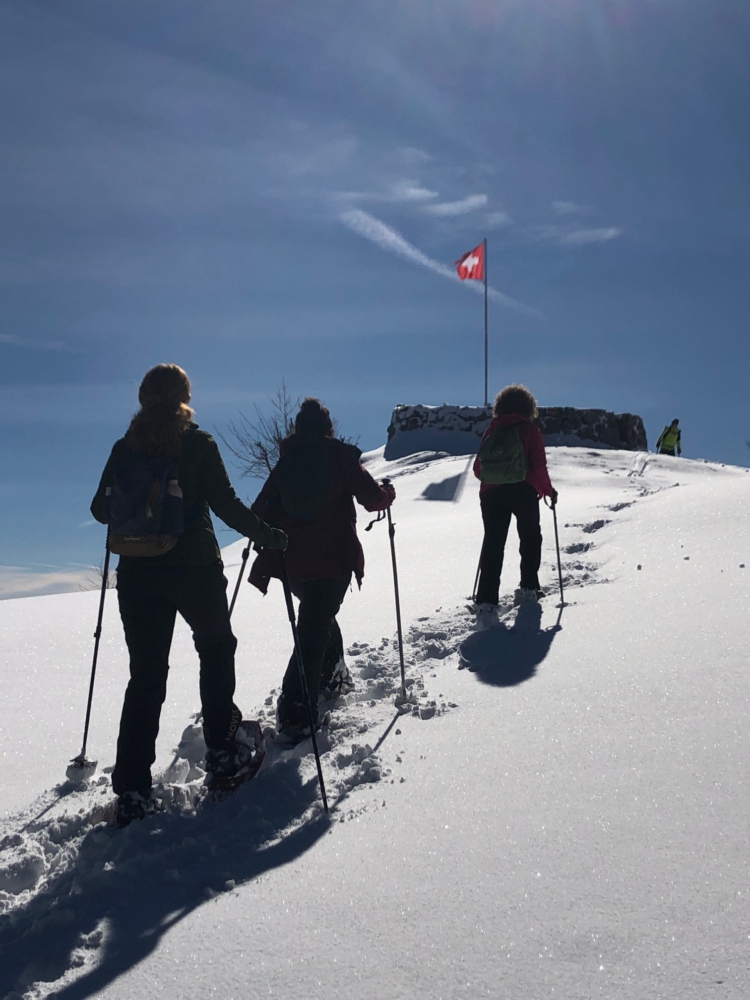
x=53 y=850
x=63 y=869
x=568 y=833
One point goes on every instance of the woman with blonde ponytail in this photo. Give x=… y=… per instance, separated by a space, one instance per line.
x=183 y=574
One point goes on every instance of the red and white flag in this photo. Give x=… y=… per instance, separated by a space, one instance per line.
x=471 y=265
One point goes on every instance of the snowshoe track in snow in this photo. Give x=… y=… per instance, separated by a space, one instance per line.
x=65 y=868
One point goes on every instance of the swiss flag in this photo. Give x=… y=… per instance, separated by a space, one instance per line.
x=471 y=265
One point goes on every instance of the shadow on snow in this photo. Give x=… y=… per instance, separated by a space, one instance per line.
x=127 y=888
x=506 y=656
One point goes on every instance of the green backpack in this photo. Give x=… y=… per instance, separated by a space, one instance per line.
x=502 y=458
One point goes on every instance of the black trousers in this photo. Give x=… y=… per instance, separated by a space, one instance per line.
x=498 y=505
x=149 y=598
x=320 y=641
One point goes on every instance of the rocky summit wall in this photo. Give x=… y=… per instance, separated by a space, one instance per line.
x=456 y=430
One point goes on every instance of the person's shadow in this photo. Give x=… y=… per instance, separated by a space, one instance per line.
x=506 y=656
x=126 y=888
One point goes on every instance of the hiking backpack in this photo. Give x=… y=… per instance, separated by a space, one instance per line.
x=145 y=505
x=502 y=459
x=303 y=478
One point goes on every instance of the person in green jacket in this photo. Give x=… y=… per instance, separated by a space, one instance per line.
x=188 y=578
x=669 y=440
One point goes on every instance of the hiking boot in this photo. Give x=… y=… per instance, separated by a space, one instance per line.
x=524 y=595
x=292 y=713
x=485 y=608
x=339 y=683
x=290 y=733
x=132 y=806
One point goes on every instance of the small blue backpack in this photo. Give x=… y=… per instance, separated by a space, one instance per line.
x=145 y=505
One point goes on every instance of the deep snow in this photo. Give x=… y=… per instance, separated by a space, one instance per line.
x=562 y=812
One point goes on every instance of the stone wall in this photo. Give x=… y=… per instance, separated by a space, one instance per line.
x=456 y=430
x=616 y=430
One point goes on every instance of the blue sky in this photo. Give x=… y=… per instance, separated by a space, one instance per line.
x=266 y=190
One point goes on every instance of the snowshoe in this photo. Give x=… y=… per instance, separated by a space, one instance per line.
x=289 y=734
x=486 y=615
x=227 y=769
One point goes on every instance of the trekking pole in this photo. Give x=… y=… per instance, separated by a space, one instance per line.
x=476 y=579
x=553 y=506
x=245 y=557
x=302 y=677
x=81 y=762
x=391 y=534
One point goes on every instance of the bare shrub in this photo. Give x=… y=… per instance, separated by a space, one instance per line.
x=256 y=442
x=94 y=576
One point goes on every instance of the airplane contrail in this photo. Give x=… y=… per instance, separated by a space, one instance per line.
x=383 y=236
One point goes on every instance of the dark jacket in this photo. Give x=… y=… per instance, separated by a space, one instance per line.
x=533 y=446
x=204 y=483
x=325 y=546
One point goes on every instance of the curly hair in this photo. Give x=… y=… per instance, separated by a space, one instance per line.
x=158 y=427
x=516 y=399
x=313 y=418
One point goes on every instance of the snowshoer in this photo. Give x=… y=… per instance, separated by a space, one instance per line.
x=512 y=466
x=670 y=440
x=178 y=569
x=310 y=495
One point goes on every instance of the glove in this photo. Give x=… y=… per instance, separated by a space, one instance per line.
x=278 y=541
x=389 y=488
x=554 y=498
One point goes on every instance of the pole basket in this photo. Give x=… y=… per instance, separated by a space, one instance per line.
x=80 y=769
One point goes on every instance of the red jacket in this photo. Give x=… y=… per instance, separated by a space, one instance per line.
x=326 y=547
x=533 y=446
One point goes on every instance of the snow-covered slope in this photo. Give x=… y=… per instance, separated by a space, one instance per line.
x=563 y=810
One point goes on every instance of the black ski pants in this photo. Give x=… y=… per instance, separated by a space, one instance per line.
x=149 y=598
x=498 y=505
x=320 y=642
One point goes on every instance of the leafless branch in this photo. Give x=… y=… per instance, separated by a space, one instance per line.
x=255 y=442
x=94 y=576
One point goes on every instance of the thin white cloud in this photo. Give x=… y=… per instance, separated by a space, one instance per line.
x=448 y=208
x=34 y=345
x=498 y=219
x=412 y=156
x=410 y=191
x=567 y=208
x=563 y=237
x=580 y=237
x=388 y=239
x=69 y=404
x=18 y=581
x=398 y=191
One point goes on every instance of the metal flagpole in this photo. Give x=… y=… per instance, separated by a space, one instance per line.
x=486 y=400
